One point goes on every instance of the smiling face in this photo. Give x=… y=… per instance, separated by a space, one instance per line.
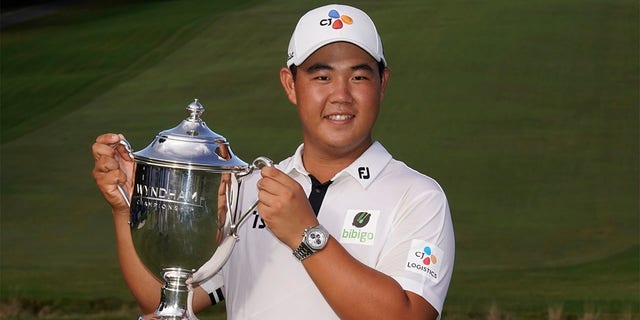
x=338 y=91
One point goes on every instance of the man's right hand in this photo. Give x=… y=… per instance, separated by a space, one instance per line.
x=113 y=167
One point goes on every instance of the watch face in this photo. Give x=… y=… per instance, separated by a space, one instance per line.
x=316 y=240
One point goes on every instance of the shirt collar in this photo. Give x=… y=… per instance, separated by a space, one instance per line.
x=296 y=163
x=368 y=166
x=364 y=170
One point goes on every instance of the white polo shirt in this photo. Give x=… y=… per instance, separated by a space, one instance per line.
x=385 y=214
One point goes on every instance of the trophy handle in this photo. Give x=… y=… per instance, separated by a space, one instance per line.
x=125 y=196
x=215 y=263
x=258 y=163
x=127 y=147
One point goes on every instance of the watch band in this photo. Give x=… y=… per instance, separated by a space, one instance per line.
x=303 y=251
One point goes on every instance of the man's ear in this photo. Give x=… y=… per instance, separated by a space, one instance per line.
x=288 y=83
x=386 y=73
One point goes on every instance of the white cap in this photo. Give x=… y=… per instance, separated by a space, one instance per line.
x=333 y=23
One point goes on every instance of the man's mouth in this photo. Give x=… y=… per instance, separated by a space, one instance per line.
x=339 y=117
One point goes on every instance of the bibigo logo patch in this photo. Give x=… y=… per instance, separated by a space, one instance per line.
x=360 y=227
x=425 y=258
x=336 y=20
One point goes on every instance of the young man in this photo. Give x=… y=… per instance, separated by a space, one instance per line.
x=342 y=230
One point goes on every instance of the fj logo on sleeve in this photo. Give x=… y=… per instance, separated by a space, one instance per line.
x=360 y=227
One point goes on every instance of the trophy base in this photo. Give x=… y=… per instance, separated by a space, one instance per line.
x=175 y=301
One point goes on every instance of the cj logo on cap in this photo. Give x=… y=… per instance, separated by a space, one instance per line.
x=336 y=20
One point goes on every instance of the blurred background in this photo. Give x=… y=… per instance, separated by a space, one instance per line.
x=526 y=112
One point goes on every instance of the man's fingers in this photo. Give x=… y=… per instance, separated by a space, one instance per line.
x=108 y=138
x=123 y=152
x=269 y=186
x=111 y=168
x=106 y=164
x=108 y=174
x=99 y=150
x=273 y=173
x=105 y=145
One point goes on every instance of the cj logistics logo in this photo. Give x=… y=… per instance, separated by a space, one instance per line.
x=425 y=258
x=336 y=20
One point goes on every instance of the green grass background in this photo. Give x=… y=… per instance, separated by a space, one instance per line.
x=525 y=111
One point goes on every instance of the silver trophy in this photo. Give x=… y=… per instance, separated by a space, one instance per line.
x=184 y=208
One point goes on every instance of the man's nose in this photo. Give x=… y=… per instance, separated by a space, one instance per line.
x=342 y=91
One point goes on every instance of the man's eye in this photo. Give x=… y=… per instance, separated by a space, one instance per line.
x=323 y=78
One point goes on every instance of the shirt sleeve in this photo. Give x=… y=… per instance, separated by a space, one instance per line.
x=214 y=288
x=419 y=252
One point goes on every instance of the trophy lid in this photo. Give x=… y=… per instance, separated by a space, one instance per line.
x=191 y=145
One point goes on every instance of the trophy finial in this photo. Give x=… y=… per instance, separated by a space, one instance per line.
x=196 y=110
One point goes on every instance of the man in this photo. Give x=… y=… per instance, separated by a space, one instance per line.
x=342 y=230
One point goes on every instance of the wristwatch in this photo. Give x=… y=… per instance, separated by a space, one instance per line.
x=313 y=240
